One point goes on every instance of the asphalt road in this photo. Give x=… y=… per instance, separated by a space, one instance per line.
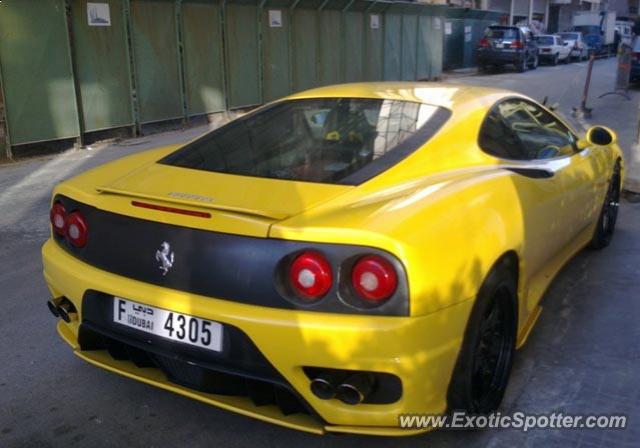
x=583 y=356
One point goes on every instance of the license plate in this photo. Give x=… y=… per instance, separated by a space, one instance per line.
x=499 y=45
x=168 y=324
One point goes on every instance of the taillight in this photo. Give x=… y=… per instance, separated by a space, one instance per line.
x=374 y=279
x=58 y=217
x=484 y=42
x=77 y=231
x=310 y=276
x=517 y=44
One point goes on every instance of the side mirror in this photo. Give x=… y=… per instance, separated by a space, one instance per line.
x=601 y=136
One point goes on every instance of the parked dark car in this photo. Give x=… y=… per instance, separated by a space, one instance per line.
x=504 y=45
x=635 y=60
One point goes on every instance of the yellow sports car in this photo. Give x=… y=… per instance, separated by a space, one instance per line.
x=335 y=259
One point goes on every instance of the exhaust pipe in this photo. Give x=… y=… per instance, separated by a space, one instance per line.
x=324 y=385
x=355 y=389
x=67 y=311
x=53 y=306
x=63 y=308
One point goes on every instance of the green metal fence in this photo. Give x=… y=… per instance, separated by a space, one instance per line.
x=203 y=57
x=37 y=76
x=104 y=81
x=68 y=70
x=463 y=30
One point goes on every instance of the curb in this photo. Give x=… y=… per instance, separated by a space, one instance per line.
x=632 y=177
x=632 y=182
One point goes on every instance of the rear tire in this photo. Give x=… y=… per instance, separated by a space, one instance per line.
x=609 y=214
x=482 y=370
x=522 y=65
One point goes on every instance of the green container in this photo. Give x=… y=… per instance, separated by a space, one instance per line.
x=37 y=79
x=156 y=60
x=203 y=61
x=242 y=55
x=330 y=47
x=102 y=66
x=276 y=57
x=305 y=49
x=392 y=47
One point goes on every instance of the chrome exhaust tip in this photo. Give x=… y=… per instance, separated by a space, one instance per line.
x=323 y=387
x=355 y=389
x=53 y=306
x=67 y=311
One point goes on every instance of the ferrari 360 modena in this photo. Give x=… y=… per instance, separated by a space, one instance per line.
x=334 y=259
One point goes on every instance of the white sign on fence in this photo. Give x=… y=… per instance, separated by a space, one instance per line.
x=447 y=27
x=98 y=14
x=275 y=18
x=374 y=21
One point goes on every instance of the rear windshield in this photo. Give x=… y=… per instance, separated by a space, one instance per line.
x=569 y=36
x=328 y=140
x=502 y=33
x=545 y=40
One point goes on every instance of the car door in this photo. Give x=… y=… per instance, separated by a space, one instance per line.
x=580 y=169
x=551 y=177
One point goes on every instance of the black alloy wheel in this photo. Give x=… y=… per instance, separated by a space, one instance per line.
x=609 y=215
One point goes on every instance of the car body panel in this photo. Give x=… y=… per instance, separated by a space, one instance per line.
x=500 y=48
x=448 y=211
x=579 y=47
x=559 y=48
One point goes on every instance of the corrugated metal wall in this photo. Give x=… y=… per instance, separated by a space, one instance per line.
x=37 y=77
x=158 y=60
x=463 y=30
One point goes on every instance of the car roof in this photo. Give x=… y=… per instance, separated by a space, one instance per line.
x=448 y=95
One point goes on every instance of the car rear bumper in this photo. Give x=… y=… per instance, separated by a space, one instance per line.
x=420 y=351
x=499 y=56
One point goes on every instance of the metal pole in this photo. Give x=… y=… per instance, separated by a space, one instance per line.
x=74 y=69
x=7 y=137
x=225 y=55
x=583 y=110
x=181 y=62
x=292 y=53
x=133 y=75
x=512 y=6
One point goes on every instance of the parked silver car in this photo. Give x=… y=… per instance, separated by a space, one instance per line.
x=553 y=49
x=579 y=48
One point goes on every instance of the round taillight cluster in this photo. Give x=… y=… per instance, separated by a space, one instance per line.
x=58 y=216
x=73 y=226
x=311 y=276
x=372 y=280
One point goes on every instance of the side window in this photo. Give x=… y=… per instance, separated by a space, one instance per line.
x=530 y=132
x=497 y=139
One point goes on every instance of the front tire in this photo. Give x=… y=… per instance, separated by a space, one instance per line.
x=555 y=60
x=483 y=368
x=609 y=214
